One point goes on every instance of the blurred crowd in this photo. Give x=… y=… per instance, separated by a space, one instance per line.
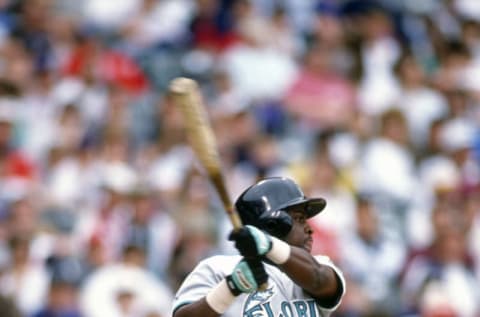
x=373 y=105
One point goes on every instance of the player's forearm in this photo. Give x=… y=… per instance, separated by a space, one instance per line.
x=199 y=308
x=318 y=280
x=219 y=298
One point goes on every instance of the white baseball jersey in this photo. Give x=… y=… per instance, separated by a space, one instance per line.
x=282 y=298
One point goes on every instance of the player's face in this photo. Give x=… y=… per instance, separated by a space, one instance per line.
x=301 y=233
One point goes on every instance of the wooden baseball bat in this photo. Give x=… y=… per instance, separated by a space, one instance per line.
x=201 y=138
x=186 y=95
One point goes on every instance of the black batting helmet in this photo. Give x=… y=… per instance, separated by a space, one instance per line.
x=265 y=205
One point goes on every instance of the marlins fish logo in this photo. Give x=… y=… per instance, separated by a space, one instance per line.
x=258 y=297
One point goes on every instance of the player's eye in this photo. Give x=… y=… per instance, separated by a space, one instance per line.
x=299 y=218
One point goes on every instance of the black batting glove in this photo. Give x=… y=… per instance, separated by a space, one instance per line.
x=247 y=276
x=251 y=242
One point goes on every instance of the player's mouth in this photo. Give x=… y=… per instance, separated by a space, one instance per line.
x=308 y=244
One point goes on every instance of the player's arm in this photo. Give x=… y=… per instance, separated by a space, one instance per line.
x=317 y=279
x=245 y=278
x=198 y=308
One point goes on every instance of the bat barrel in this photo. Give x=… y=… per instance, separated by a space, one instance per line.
x=187 y=96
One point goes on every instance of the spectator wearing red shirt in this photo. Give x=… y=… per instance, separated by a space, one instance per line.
x=320 y=95
x=107 y=64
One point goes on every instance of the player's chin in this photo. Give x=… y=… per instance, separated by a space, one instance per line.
x=307 y=245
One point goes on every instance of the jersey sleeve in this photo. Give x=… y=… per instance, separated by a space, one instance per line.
x=332 y=305
x=196 y=285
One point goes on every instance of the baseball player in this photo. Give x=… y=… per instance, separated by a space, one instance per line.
x=274 y=212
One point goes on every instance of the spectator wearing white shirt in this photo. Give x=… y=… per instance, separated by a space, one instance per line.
x=257 y=69
x=371 y=260
x=420 y=104
x=26 y=280
x=388 y=169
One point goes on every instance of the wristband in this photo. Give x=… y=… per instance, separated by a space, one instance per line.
x=280 y=251
x=231 y=286
x=220 y=297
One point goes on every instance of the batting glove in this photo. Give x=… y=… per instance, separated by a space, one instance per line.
x=251 y=242
x=247 y=276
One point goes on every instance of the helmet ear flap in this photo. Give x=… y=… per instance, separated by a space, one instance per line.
x=277 y=223
x=270 y=225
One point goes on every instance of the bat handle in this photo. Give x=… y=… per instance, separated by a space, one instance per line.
x=234 y=219
x=237 y=224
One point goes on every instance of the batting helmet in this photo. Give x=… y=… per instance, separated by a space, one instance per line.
x=265 y=205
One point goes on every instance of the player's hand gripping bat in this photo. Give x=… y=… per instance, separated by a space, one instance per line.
x=186 y=95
